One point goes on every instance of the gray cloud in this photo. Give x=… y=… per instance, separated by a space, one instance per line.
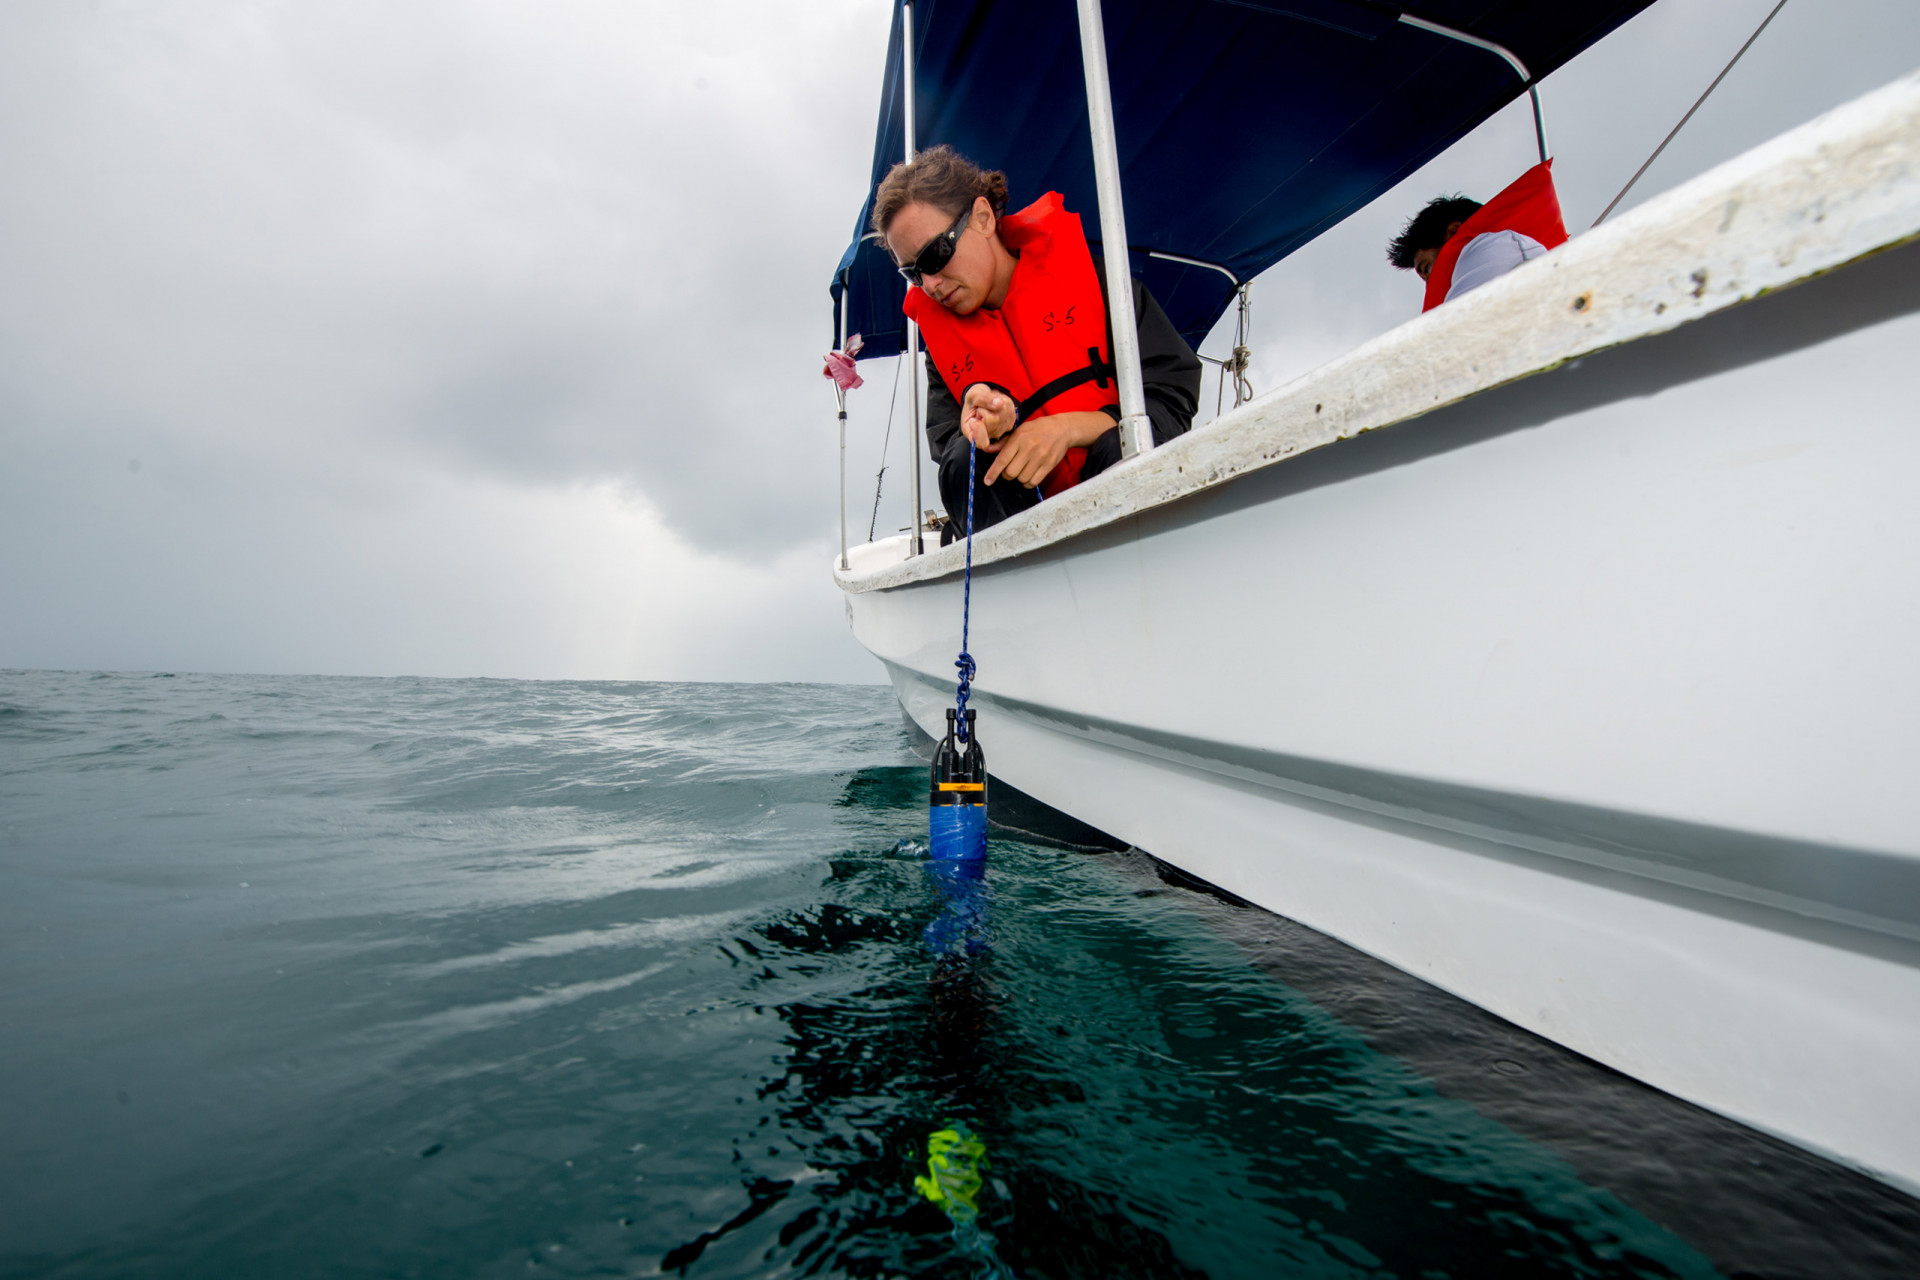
x=533 y=248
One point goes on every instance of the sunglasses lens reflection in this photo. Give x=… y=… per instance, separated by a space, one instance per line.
x=938 y=253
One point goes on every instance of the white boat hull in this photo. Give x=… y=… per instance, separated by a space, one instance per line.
x=1593 y=698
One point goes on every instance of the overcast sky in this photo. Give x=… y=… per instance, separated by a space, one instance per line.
x=482 y=338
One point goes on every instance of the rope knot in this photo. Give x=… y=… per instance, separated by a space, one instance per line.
x=965 y=664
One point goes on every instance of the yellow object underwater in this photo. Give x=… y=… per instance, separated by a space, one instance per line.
x=955 y=1164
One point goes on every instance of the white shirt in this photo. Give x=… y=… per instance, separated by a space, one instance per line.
x=1489 y=256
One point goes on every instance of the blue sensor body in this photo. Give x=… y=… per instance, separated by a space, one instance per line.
x=957 y=840
x=957 y=794
x=961 y=927
x=957 y=832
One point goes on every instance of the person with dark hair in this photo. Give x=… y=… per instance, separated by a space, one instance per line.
x=1456 y=244
x=1013 y=308
x=1418 y=243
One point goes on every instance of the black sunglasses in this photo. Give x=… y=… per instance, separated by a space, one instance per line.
x=932 y=259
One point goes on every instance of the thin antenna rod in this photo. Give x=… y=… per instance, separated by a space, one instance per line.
x=1683 y=119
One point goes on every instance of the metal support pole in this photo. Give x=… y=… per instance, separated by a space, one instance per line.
x=912 y=356
x=1195 y=262
x=916 y=544
x=1136 y=432
x=843 y=480
x=1237 y=366
x=844 y=302
x=1512 y=60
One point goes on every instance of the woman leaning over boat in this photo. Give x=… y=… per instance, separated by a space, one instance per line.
x=1019 y=349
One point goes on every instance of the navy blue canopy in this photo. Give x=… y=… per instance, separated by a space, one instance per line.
x=1245 y=127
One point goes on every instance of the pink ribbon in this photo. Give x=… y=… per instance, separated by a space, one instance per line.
x=840 y=366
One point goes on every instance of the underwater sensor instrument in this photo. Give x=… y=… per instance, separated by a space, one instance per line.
x=957 y=798
x=957 y=840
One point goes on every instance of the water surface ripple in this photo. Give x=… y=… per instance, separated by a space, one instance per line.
x=334 y=977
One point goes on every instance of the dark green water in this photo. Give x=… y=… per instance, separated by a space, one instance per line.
x=323 y=977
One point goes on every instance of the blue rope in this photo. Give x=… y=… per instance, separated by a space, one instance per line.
x=965 y=661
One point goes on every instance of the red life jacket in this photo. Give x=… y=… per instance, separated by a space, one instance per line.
x=1530 y=206
x=1047 y=344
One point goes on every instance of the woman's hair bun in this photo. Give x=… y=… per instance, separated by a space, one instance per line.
x=941 y=177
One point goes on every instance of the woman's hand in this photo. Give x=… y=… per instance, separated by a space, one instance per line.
x=1034 y=448
x=986 y=415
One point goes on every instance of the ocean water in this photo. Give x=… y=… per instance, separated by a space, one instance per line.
x=338 y=977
